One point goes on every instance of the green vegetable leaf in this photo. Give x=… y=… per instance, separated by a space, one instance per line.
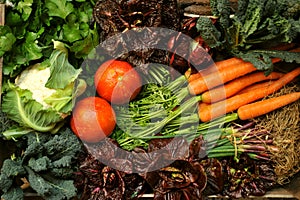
x=252 y=20
x=49 y=169
x=71 y=33
x=12 y=168
x=63 y=162
x=24 y=7
x=20 y=107
x=38 y=183
x=261 y=59
x=60 y=189
x=30 y=50
x=6 y=182
x=62 y=99
x=62 y=172
x=15 y=193
x=221 y=9
x=62 y=73
x=82 y=48
x=61 y=8
x=7 y=39
x=33 y=149
x=209 y=32
x=66 y=144
x=40 y=164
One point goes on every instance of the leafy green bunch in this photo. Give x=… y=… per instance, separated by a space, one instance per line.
x=47 y=162
x=31 y=25
x=252 y=29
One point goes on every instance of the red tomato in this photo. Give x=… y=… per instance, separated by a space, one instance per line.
x=117 y=81
x=93 y=119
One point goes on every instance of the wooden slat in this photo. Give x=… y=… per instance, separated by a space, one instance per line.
x=2 y=21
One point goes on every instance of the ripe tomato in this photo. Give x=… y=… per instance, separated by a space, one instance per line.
x=117 y=81
x=93 y=119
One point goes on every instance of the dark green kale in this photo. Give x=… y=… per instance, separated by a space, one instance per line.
x=252 y=29
x=6 y=182
x=47 y=161
x=14 y=193
x=209 y=32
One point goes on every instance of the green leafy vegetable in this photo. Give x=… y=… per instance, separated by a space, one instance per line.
x=48 y=163
x=31 y=25
x=59 y=8
x=14 y=193
x=209 y=32
x=7 y=39
x=42 y=95
x=252 y=28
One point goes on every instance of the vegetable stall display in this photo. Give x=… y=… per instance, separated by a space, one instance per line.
x=213 y=110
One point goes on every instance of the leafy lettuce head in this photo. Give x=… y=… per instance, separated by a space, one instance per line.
x=43 y=95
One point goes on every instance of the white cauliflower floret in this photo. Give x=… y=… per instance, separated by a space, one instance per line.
x=35 y=79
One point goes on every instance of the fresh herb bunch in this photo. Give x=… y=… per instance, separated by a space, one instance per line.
x=46 y=165
x=252 y=29
x=31 y=25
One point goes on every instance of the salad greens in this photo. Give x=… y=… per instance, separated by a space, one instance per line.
x=42 y=95
x=255 y=25
x=31 y=25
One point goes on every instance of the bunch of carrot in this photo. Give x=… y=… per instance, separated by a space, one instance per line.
x=236 y=85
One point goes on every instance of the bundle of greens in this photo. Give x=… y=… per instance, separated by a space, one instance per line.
x=31 y=25
x=254 y=26
x=43 y=163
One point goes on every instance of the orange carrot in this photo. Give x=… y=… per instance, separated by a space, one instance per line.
x=222 y=76
x=219 y=65
x=220 y=108
x=261 y=85
x=259 y=108
x=234 y=86
x=231 y=62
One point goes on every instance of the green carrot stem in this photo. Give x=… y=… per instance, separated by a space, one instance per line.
x=185 y=106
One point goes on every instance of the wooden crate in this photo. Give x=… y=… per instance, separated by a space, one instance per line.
x=2 y=21
x=289 y=191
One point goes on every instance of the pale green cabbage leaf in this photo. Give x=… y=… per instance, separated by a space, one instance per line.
x=44 y=102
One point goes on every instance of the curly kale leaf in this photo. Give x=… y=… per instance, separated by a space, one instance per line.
x=256 y=25
x=38 y=183
x=51 y=188
x=61 y=189
x=12 y=168
x=62 y=172
x=6 y=182
x=15 y=193
x=63 y=162
x=261 y=59
x=222 y=10
x=262 y=21
x=40 y=164
x=48 y=163
x=209 y=32
x=33 y=150
x=64 y=144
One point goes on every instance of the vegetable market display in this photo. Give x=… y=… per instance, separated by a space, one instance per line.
x=216 y=115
